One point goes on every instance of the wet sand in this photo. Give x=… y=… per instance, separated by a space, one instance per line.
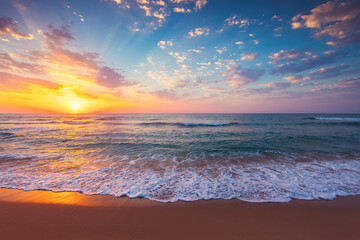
x=48 y=215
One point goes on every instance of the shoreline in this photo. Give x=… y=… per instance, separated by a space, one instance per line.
x=72 y=215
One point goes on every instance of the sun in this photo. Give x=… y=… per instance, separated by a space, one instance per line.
x=75 y=106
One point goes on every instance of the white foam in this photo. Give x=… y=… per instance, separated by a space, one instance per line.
x=338 y=119
x=169 y=180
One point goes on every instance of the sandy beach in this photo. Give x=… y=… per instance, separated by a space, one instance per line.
x=48 y=215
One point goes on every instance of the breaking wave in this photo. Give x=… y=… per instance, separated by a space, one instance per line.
x=189 y=124
x=272 y=177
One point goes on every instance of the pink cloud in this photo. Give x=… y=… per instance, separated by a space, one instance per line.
x=15 y=82
x=335 y=19
x=8 y=26
x=238 y=76
x=309 y=62
x=249 y=56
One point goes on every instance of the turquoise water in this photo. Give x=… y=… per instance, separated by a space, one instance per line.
x=170 y=157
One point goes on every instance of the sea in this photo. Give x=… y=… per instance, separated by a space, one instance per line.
x=187 y=157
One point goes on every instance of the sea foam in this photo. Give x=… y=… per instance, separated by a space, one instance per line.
x=166 y=179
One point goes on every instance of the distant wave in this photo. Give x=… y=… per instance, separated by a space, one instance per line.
x=332 y=123
x=208 y=124
x=333 y=119
x=188 y=124
x=76 y=122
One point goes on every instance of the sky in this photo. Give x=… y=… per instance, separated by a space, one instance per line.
x=179 y=56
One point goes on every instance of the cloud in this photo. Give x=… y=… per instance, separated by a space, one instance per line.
x=297 y=79
x=350 y=82
x=181 y=10
x=158 y=9
x=220 y=51
x=238 y=76
x=109 y=78
x=256 y=42
x=195 y=50
x=204 y=63
x=335 y=19
x=345 y=33
x=165 y=94
x=249 y=56
x=8 y=26
x=342 y=86
x=285 y=55
x=275 y=85
x=239 y=43
x=10 y=62
x=310 y=61
x=199 y=32
x=275 y=17
x=332 y=11
x=179 y=57
x=334 y=71
x=277 y=31
x=58 y=36
x=181 y=83
x=160 y=3
x=199 y=4
x=164 y=44
x=146 y=9
x=81 y=17
x=15 y=82
x=86 y=64
x=235 y=20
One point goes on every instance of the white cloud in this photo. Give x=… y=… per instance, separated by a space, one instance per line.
x=181 y=10
x=235 y=20
x=220 y=51
x=249 y=56
x=198 y=3
x=195 y=50
x=142 y=1
x=160 y=2
x=164 y=44
x=199 y=31
x=179 y=57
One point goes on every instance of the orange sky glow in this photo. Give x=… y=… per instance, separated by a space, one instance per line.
x=178 y=57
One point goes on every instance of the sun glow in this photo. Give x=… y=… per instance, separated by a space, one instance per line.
x=75 y=106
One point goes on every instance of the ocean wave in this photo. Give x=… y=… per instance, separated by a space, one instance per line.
x=333 y=119
x=7 y=135
x=208 y=124
x=71 y=122
x=332 y=123
x=189 y=124
x=167 y=180
x=80 y=122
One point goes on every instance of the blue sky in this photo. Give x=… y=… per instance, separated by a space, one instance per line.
x=185 y=55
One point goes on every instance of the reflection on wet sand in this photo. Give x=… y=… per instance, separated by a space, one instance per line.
x=70 y=198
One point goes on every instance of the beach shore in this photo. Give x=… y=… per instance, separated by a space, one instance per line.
x=48 y=215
